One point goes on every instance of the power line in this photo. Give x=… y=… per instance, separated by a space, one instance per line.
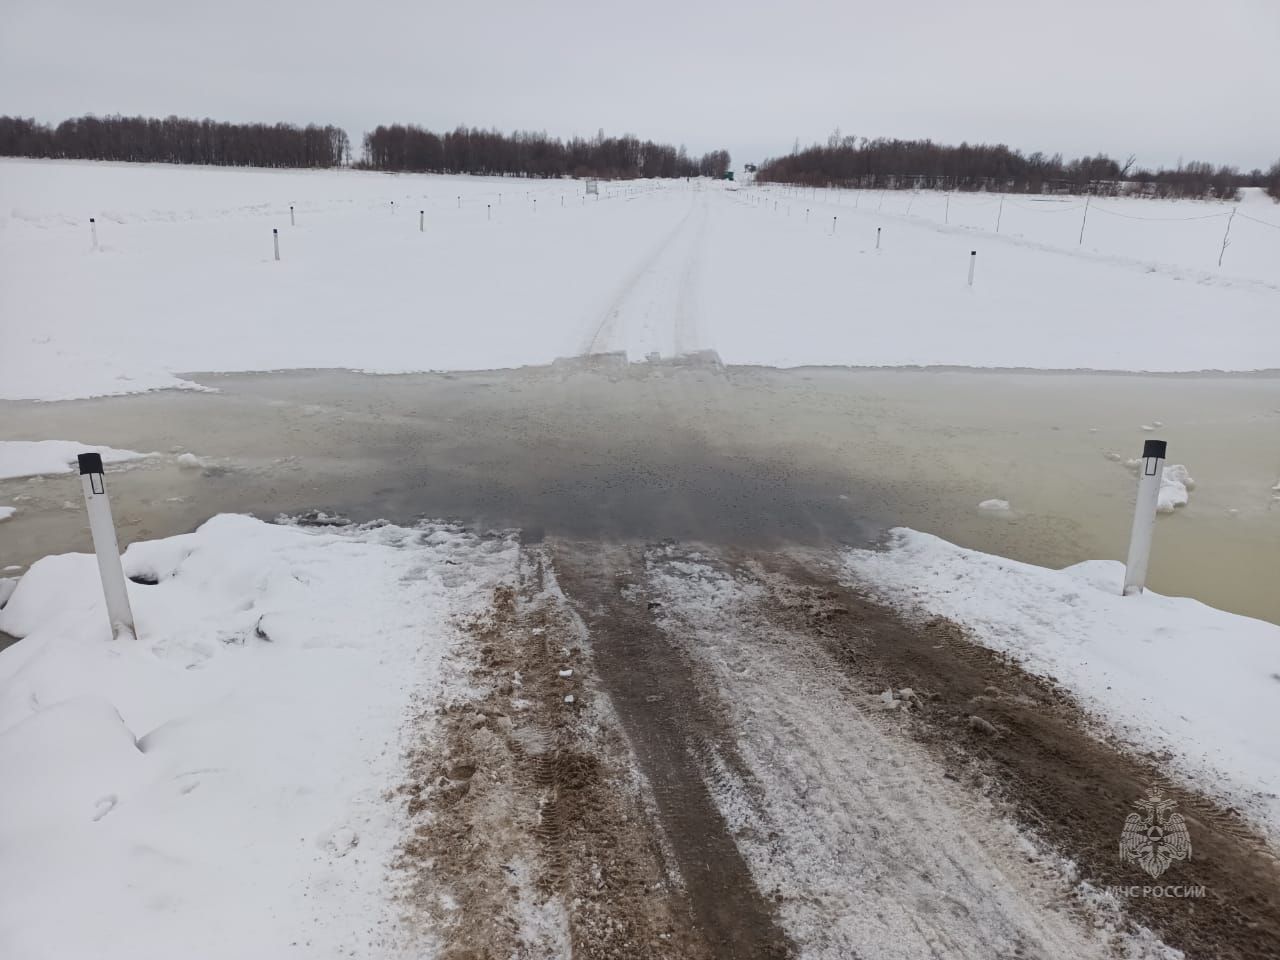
x=1130 y=216
x=1043 y=209
x=1265 y=223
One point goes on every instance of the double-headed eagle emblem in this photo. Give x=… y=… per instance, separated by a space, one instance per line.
x=1156 y=837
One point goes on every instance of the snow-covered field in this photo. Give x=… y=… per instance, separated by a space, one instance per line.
x=216 y=788
x=510 y=272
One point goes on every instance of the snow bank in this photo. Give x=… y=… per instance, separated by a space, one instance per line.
x=1165 y=673
x=216 y=788
x=30 y=458
x=7 y=512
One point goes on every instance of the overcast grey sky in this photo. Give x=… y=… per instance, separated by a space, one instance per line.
x=1160 y=78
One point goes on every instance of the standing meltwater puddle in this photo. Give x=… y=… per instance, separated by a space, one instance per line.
x=736 y=455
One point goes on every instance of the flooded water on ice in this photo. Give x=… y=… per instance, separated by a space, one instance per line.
x=697 y=452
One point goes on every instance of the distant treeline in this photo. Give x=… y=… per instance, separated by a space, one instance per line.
x=922 y=164
x=410 y=148
x=393 y=148
x=176 y=140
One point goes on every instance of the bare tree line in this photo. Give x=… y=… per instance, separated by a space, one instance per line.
x=888 y=164
x=176 y=140
x=842 y=161
x=393 y=148
x=471 y=150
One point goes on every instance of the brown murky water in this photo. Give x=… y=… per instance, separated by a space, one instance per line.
x=737 y=455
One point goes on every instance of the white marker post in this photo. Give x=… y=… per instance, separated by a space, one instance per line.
x=393 y=208
x=973 y=262
x=1144 y=516
x=93 y=232
x=877 y=238
x=488 y=211
x=422 y=217
x=459 y=203
x=292 y=222
x=833 y=226
x=275 y=237
x=105 y=545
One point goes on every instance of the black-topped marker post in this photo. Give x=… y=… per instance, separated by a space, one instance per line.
x=105 y=545
x=973 y=262
x=1144 y=516
x=275 y=238
x=292 y=222
x=422 y=216
x=93 y=231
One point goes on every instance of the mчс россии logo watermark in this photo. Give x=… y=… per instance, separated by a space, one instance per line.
x=1152 y=840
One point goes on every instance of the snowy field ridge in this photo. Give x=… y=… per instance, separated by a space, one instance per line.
x=220 y=783
x=1162 y=673
x=506 y=272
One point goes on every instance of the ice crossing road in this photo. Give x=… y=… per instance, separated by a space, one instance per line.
x=655 y=312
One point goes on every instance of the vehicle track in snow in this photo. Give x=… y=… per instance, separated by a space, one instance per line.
x=730 y=780
x=1046 y=764
x=800 y=814
x=529 y=837
x=644 y=317
x=856 y=837
x=672 y=729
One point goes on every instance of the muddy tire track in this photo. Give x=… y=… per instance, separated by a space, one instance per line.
x=679 y=738
x=865 y=847
x=530 y=835
x=1039 y=760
